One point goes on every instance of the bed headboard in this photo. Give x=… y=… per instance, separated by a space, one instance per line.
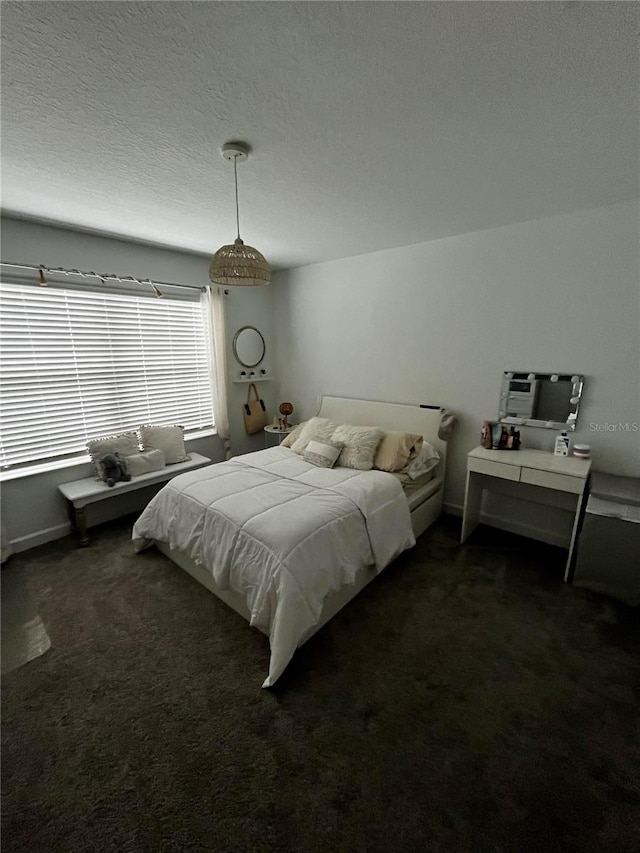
x=390 y=416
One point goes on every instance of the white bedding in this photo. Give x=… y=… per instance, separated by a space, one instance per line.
x=281 y=533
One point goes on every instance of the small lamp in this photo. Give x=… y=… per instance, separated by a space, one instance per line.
x=285 y=409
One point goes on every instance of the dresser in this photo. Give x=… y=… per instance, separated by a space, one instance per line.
x=552 y=476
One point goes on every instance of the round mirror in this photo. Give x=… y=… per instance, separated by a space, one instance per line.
x=248 y=346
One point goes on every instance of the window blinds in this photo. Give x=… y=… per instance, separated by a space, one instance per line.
x=77 y=364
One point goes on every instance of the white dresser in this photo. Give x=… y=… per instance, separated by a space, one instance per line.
x=487 y=469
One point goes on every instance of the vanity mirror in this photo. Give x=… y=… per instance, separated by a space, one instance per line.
x=248 y=346
x=548 y=400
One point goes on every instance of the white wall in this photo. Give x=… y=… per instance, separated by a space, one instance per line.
x=33 y=511
x=438 y=322
x=434 y=322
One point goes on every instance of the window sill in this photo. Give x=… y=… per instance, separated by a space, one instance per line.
x=75 y=462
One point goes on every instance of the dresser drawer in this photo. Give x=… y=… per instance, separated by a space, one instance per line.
x=551 y=480
x=495 y=469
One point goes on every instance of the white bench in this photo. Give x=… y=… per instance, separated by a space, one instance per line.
x=80 y=493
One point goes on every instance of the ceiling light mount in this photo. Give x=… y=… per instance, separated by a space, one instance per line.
x=237 y=264
x=238 y=151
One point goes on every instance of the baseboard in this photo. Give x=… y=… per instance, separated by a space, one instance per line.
x=452 y=509
x=531 y=531
x=40 y=537
x=520 y=528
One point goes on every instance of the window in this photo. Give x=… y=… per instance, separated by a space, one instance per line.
x=76 y=364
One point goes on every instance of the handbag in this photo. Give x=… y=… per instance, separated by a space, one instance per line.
x=254 y=413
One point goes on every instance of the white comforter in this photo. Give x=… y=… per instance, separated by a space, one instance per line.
x=281 y=533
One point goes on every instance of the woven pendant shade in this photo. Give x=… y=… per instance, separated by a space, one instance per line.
x=239 y=265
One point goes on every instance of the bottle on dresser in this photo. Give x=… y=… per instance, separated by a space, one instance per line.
x=562 y=445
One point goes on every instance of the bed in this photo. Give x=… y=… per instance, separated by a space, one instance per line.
x=287 y=544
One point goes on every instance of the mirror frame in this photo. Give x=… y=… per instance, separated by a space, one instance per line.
x=577 y=388
x=235 y=349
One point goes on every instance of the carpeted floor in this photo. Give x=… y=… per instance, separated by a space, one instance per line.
x=467 y=700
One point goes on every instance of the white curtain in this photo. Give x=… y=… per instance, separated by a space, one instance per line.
x=213 y=302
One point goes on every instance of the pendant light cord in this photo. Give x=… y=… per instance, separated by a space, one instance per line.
x=235 y=175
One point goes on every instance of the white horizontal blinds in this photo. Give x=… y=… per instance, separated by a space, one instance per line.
x=76 y=365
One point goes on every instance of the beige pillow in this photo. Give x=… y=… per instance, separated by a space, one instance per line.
x=168 y=439
x=124 y=443
x=396 y=450
x=322 y=452
x=360 y=445
x=145 y=462
x=318 y=428
x=289 y=439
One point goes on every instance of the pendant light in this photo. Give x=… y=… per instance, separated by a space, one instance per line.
x=237 y=264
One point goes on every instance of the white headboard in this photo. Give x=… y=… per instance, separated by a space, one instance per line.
x=390 y=416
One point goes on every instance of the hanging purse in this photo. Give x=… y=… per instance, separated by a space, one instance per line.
x=254 y=413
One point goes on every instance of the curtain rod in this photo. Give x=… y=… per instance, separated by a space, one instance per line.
x=104 y=277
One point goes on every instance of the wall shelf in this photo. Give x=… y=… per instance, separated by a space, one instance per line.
x=248 y=379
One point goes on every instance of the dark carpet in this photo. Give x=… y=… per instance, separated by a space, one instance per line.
x=467 y=700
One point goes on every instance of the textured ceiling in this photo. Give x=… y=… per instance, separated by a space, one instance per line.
x=372 y=124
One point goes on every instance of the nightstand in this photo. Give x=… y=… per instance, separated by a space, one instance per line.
x=271 y=430
x=559 y=481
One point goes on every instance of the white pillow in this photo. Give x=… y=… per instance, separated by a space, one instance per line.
x=293 y=436
x=318 y=428
x=425 y=461
x=322 y=452
x=168 y=439
x=406 y=480
x=360 y=445
x=145 y=462
x=123 y=443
